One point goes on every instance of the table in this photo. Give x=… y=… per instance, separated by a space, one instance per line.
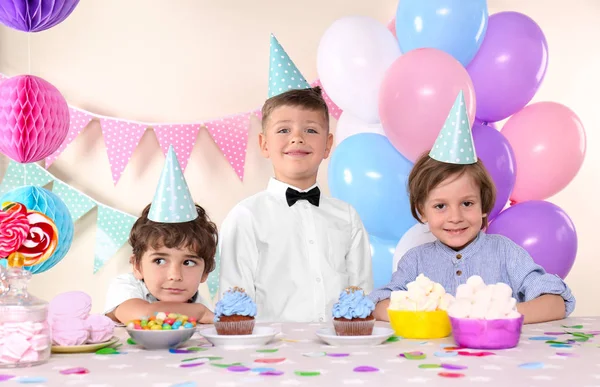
x=535 y=362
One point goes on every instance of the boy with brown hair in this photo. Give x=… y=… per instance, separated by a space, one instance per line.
x=174 y=245
x=451 y=191
x=290 y=247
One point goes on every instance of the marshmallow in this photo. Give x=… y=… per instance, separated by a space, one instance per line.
x=477 y=300
x=23 y=342
x=69 y=332
x=421 y=295
x=101 y=328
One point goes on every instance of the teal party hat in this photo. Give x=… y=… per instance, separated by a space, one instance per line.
x=172 y=200
x=283 y=73
x=454 y=144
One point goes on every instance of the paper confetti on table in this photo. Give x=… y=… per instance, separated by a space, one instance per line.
x=567 y=354
x=268 y=350
x=561 y=346
x=415 y=355
x=573 y=326
x=190 y=365
x=262 y=369
x=338 y=354
x=179 y=351
x=197 y=349
x=314 y=354
x=429 y=366
x=75 y=371
x=366 y=369
x=107 y=351
x=445 y=354
x=555 y=333
x=238 y=368
x=476 y=354
x=393 y=339
x=130 y=341
x=225 y=365
x=307 y=373
x=542 y=338
x=4 y=377
x=451 y=374
x=532 y=366
x=31 y=379
x=270 y=360
x=185 y=384
x=272 y=373
x=453 y=366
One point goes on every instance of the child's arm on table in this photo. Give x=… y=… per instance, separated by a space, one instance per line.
x=136 y=308
x=238 y=251
x=407 y=271
x=358 y=259
x=542 y=296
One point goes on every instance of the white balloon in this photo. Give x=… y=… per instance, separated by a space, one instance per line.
x=417 y=235
x=348 y=125
x=353 y=56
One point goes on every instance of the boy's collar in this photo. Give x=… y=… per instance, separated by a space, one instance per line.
x=278 y=187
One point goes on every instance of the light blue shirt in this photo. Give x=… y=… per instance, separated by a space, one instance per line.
x=494 y=258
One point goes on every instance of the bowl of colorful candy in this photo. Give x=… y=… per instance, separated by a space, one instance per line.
x=162 y=331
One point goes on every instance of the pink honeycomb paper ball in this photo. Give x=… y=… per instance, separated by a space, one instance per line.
x=34 y=118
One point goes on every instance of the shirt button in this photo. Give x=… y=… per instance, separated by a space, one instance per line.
x=311 y=242
x=318 y=279
x=458 y=272
x=458 y=256
x=321 y=319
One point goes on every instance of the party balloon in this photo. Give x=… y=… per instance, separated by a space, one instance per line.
x=549 y=144
x=349 y=125
x=417 y=235
x=41 y=200
x=496 y=154
x=544 y=230
x=34 y=118
x=509 y=67
x=36 y=15
x=456 y=27
x=490 y=124
x=352 y=57
x=366 y=171
x=382 y=252
x=416 y=95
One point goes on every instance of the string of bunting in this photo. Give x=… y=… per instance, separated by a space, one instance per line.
x=121 y=136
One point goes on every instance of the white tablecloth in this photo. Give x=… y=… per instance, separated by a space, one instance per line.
x=533 y=363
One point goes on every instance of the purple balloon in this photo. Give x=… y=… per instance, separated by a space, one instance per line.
x=35 y=15
x=490 y=124
x=509 y=66
x=497 y=156
x=544 y=230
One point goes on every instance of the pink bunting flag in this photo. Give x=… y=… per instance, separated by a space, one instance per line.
x=258 y=113
x=181 y=136
x=121 y=139
x=231 y=135
x=334 y=109
x=78 y=120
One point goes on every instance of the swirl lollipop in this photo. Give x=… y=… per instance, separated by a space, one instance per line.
x=41 y=240
x=14 y=228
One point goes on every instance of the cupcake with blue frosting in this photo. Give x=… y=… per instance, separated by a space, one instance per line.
x=234 y=313
x=353 y=313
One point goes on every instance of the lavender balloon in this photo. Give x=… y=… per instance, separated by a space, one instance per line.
x=35 y=15
x=544 y=230
x=509 y=66
x=498 y=158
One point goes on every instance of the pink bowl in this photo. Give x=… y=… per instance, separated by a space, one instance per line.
x=486 y=334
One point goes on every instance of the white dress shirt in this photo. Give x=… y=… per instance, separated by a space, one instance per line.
x=293 y=261
x=126 y=287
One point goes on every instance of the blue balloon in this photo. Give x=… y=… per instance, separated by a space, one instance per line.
x=382 y=255
x=456 y=27
x=370 y=174
x=46 y=202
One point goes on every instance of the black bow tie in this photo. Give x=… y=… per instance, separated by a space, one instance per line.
x=313 y=196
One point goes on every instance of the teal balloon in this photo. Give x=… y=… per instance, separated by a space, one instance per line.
x=367 y=172
x=46 y=202
x=456 y=27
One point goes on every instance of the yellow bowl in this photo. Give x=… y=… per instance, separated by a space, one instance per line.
x=420 y=325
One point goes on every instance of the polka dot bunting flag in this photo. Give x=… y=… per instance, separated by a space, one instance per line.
x=334 y=110
x=18 y=175
x=454 y=144
x=78 y=120
x=231 y=136
x=77 y=203
x=181 y=136
x=121 y=139
x=172 y=201
x=113 y=227
x=283 y=73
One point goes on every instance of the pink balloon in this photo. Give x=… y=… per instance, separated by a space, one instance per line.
x=392 y=27
x=417 y=93
x=34 y=118
x=549 y=143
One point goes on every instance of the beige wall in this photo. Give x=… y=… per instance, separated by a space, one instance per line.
x=191 y=60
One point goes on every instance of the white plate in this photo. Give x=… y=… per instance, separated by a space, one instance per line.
x=379 y=335
x=260 y=336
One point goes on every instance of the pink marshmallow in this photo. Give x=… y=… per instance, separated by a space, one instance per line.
x=69 y=332
x=101 y=328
